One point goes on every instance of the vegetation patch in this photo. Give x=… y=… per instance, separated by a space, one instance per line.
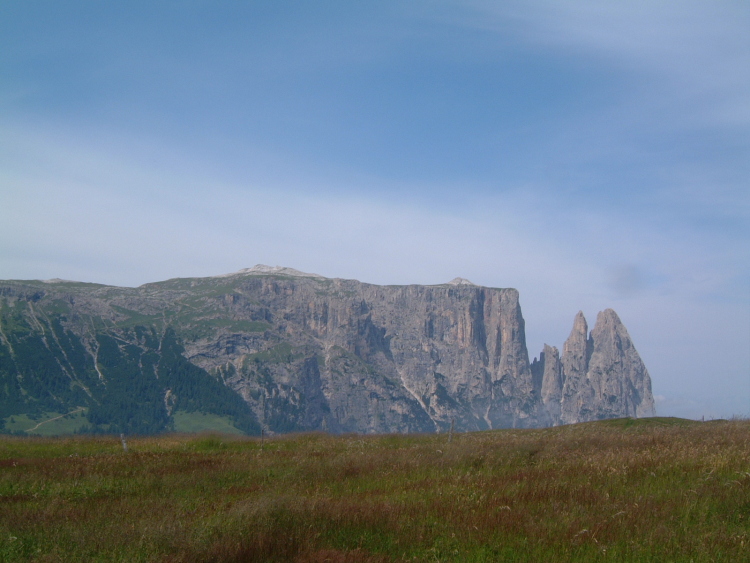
x=193 y=327
x=57 y=307
x=194 y=422
x=47 y=424
x=657 y=490
x=279 y=354
x=135 y=318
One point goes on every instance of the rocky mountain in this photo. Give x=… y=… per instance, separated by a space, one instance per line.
x=600 y=375
x=293 y=352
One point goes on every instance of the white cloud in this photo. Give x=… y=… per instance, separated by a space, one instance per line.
x=701 y=48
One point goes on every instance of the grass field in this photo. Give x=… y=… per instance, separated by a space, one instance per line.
x=623 y=490
x=47 y=424
x=200 y=422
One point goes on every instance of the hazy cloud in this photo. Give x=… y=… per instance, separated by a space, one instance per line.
x=626 y=280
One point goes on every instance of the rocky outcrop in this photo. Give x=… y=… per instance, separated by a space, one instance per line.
x=600 y=375
x=548 y=375
x=408 y=358
x=310 y=353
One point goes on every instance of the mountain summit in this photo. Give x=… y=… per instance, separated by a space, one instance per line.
x=600 y=375
x=290 y=351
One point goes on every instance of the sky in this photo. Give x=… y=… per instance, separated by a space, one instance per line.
x=590 y=154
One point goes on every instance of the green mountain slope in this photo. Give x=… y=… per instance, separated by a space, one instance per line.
x=127 y=379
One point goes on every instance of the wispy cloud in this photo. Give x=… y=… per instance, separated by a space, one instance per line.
x=699 y=43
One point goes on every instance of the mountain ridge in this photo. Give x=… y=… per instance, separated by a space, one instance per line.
x=303 y=352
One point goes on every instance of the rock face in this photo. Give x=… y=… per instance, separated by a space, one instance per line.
x=548 y=375
x=306 y=352
x=599 y=375
x=407 y=358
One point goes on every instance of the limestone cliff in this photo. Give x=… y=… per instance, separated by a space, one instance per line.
x=600 y=375
x=408 y=358
x=304 y=352
x=548 y=374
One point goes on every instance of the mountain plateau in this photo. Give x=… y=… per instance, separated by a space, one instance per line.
x=288 y=351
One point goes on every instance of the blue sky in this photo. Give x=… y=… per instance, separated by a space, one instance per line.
x=590 y=154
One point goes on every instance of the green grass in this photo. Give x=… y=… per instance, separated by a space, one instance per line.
x=57 y=307
x=654 y=422
x=194 y=325
x=654 y=490
x=193 y=422
x=135 y=318
x=47 y=424
x=281 y=353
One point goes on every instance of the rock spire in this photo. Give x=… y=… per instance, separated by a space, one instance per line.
x=600 y=375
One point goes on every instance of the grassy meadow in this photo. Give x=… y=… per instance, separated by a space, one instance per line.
x=621 y=490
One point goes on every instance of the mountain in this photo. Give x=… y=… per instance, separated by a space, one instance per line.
x=293 y=351
x=600 y=375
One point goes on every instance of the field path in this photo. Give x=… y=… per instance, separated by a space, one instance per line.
x=55 y=418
